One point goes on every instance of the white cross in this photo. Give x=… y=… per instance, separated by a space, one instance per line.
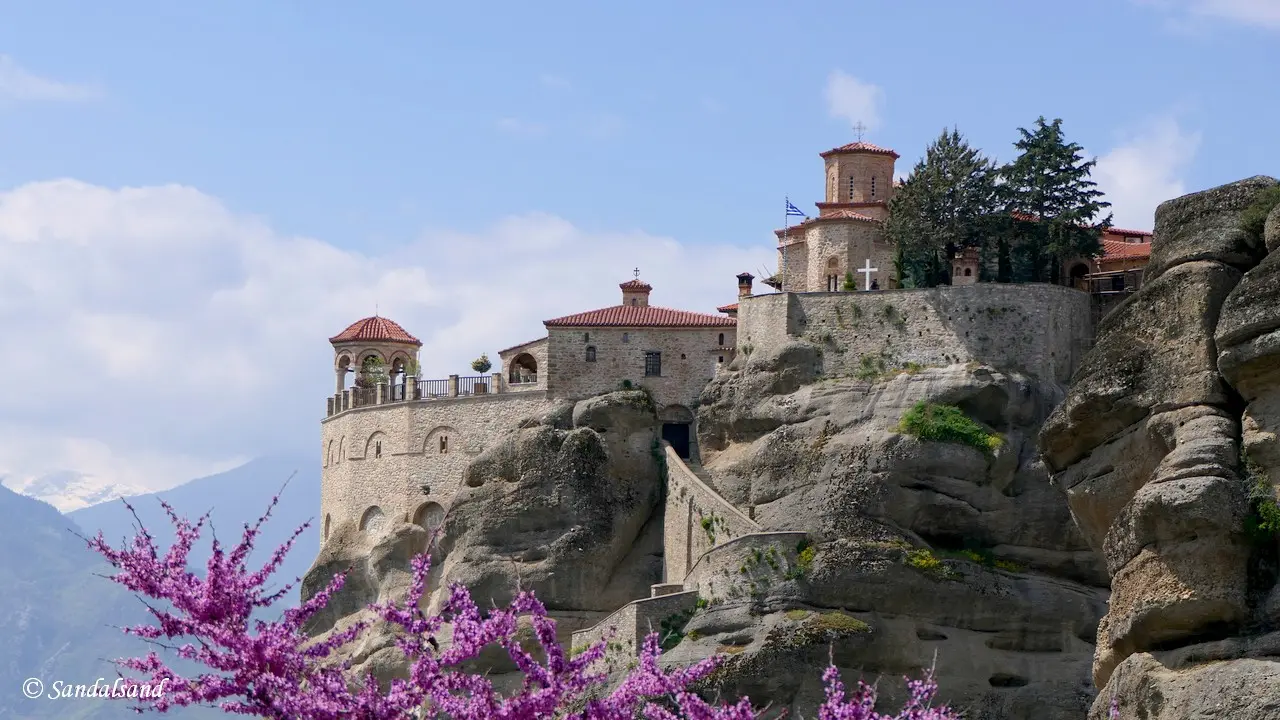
x=867 y=270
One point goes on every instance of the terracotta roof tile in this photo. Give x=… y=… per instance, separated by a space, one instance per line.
x=1122 y=231
x=640 y=316
x=520 y=345
x=635 y=285
x=841 y=214
x=1116 y=249
x=860 y=147
x=728 y=308
x=375 y=329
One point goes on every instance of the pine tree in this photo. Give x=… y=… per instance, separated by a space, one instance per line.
x=941 y=208
x=1053 y=204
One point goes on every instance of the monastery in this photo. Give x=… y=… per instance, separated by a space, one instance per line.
x=396 y=445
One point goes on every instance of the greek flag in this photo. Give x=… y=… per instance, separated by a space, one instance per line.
x=793 y=210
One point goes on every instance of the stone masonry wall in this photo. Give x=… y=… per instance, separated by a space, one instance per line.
x=1041 y=330
x=690 y=504
x=689 y=359
x=746 y=566
x=536 y=349
x=626 y=628
x=356 y=477
x=850 y=244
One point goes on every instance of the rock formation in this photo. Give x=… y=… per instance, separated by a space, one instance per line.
x=1166 y=447
x=923 y=552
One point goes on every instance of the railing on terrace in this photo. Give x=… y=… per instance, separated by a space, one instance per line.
x=429 y=389
x=475 y=385
x=415 y=388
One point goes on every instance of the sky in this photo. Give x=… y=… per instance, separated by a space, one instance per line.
x=194 y=196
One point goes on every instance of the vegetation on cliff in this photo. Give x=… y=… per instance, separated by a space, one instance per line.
x=947 y=423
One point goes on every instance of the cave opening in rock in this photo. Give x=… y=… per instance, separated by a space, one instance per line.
x=678 y=435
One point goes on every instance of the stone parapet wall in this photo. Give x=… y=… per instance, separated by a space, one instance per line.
x=1041 y=330
x=626 y=628
x=381 y=456
x=746 y=566
x=697 y=518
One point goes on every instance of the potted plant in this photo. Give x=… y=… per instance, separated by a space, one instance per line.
x=849 y=284
x=481 y=365
x=372 y=372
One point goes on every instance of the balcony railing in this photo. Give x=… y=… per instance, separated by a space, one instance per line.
x=415 y=388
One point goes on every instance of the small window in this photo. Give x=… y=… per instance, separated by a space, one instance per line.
x=873 y=186
x=591 y=354
x=626 y=337
x=377 y=448
x=721 y=359
x=444 y=444
x=653 y=364
x=633 y=301
x=720 y=340
x=682 y=357
x=850 y=188
x=968 y=272
x=586 y=337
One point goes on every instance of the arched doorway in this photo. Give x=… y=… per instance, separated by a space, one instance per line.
x=1078 y=271
x=524 y=369
x=677 y=428
x=428 y=516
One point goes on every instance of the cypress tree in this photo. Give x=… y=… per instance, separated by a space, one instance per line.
x=1053 y=205
x=941 y=208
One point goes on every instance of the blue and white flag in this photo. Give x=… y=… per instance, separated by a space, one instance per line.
x=793 y=210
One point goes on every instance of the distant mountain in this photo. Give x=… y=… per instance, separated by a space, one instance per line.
x=59 y=617
x=232 y=499
x=69 y=490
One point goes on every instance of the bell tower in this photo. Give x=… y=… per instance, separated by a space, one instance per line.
x=859 y=176
x=376 y=350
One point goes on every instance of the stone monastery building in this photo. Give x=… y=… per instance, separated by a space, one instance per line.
x=396 y=445
x=399 y=446
x=847 y=236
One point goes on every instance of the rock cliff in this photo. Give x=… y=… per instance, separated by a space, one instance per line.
x=1166 y=448
x=924 y=550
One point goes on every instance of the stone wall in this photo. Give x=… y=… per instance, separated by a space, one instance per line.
x=746 y=565
x=697 y=519
x=872 y=175
x=627 y=627
x=1040 y=330
x=689 y=359
x=537 y=349
x=850 y=243
x=376 y=459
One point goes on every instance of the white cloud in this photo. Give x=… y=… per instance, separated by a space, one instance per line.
x=17 y=83
x=153 y=335
x=1146 y=169
x=854 y=100
x=516 y=126
x=1260 y=13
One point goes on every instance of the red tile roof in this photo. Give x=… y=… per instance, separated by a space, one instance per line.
x=728 y=308
x=841 y=214
x=1135 y=233
x=860 y=147
x=1116 y=250
x=517 y=347
x=635 y=285
x=375 y=329
x=640 y=316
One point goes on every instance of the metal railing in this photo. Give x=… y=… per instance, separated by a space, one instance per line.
x=475 y=385
x=428 y=389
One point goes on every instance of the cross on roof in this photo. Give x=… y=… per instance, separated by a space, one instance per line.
x=859 y=128
x=636 y=273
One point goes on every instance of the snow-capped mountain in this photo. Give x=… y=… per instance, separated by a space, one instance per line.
x=69 y=490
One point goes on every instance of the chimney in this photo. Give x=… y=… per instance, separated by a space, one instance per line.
x=744 y=285
x=635 y=292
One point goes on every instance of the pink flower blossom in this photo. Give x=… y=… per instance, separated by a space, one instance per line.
x=273 y=669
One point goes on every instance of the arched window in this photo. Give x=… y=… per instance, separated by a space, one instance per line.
x=444 y=444
x=326 y=526
x=833 y=274
x=591 y=353
x=635 y=301
x=626 y=337
x=377 y=449
x=968 y=272
x=586 y=337
x=372 y=520
x=720 y=340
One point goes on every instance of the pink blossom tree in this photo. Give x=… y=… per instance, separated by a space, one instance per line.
x=274 y=669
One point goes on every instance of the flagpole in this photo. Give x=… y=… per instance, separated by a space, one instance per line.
x=786 y=226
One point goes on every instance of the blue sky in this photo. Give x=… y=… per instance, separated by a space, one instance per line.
x=230 y=183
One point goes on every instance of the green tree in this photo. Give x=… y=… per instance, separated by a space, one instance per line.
x=481 y=364
x=1052 y=205
x=941 y=208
